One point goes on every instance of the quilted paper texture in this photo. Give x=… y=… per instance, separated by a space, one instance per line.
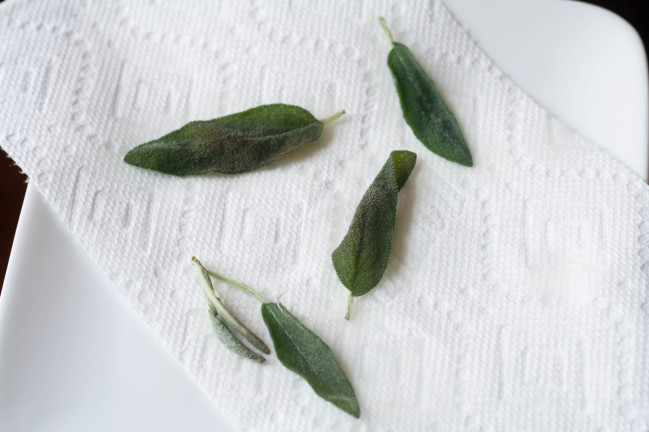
x=516 y=294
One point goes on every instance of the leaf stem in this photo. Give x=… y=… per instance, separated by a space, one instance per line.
x=386 y=29
x=223 y=313
x=213 y=300
x=333 y=117
x=350 y=305
x=239 y=285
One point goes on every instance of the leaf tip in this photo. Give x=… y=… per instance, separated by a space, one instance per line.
x=464 y=159
x=196 y=262
x=137 y=157
x=129 y=157
x=350 y=406
x=404 y=162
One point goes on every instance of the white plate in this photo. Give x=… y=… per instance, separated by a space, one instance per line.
x=74 y=357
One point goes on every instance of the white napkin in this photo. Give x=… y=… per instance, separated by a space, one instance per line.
x=515 y=294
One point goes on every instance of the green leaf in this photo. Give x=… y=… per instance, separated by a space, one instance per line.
x=236 y=143
x=303 y=352
x=423 y=107
x=362 y=256
x=233 y=325
x=230 y=341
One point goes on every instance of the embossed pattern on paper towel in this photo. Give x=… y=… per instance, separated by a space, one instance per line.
x=516 y=293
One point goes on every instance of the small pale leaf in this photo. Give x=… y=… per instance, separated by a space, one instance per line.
x=224 y=315
x=230 y=341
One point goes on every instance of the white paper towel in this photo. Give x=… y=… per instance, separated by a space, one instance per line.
x=515 y=297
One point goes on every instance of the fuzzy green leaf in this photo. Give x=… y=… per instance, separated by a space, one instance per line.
x=424 y=109
x=303 y=352
x=228 y=338
x=223 y=315
x=362 y=256
x=236 y=143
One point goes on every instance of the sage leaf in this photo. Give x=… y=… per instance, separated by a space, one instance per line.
x=362 y=256
x=423 y=107
x=223 y=314
x=303 y=352
x=230 y=341
x=233 y=144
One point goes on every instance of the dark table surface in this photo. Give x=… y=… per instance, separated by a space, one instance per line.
x=12 y=190
x=13 y=182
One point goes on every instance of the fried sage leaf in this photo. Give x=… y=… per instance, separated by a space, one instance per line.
x=423 y=107
x=230 y=341
x=225 y=324
x=362 y=256
x=233 y=144
x=303 y=352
